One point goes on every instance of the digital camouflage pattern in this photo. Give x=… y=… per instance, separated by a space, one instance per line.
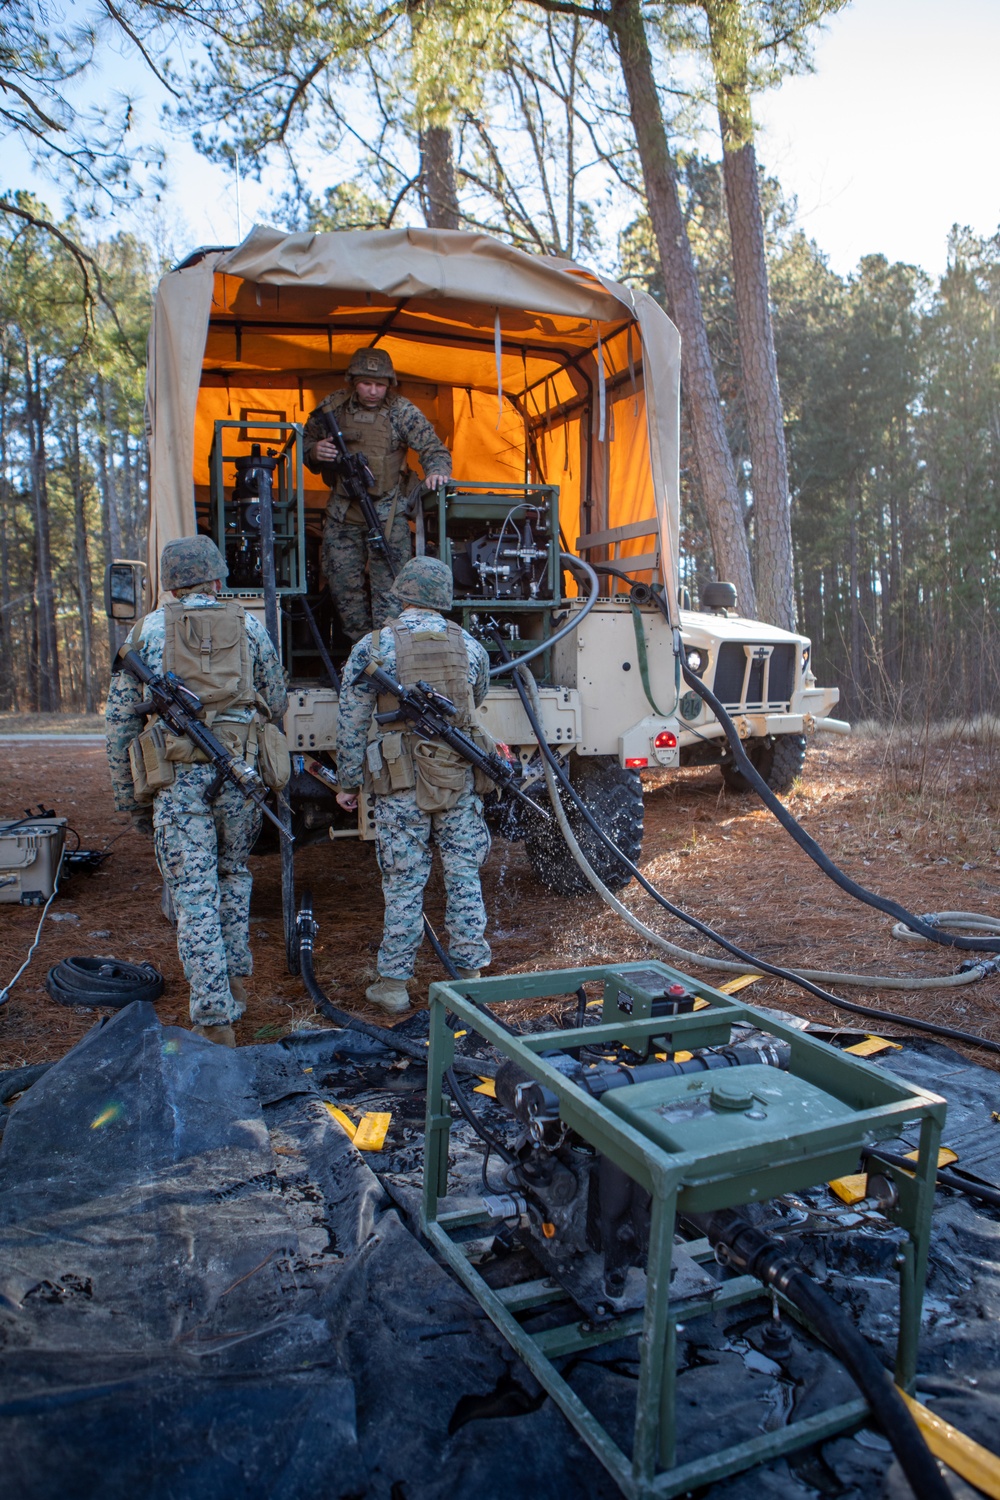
x=404 y=834
x=345 y=547
x=403 y=838
x=201 y=851
x=409 y=428
x=190 y=560
x=345 y=555
x=425 y=582
x=372 y=364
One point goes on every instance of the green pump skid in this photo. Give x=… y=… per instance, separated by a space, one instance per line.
x=807 y=1126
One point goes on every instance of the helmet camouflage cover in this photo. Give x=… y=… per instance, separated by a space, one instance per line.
x=424 y=581
x=371 y=364
x=190 y=560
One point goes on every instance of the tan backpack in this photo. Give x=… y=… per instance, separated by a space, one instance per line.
x=207 y=646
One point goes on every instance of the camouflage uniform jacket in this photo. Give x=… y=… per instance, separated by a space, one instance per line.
x=409 y=429
x=122 y=721
x=357 y=703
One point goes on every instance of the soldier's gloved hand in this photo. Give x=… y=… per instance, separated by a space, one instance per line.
x=142 y=821
x=326 y=451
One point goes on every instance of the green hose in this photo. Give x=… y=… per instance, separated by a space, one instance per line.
x=640 y=651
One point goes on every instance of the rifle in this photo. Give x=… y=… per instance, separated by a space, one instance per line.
x=178 y=707
x=357 y=479
x=427 y=713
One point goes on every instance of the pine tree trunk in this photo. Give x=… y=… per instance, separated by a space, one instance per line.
x=110 y=511
x=438 y=184
x=8 y=683
x=82 y=560
x=48 y=692
x=765 y=418
x=723 y=505
x=855 y=636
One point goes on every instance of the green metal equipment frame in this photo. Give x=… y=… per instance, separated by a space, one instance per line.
x=459 y=503
x=289 y=496
x=809 y=1125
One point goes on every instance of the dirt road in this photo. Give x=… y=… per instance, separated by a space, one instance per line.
x=720 y=855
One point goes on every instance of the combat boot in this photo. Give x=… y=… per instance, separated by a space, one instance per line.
x=238 y=989
x=224 y=1035
x=467 y=973
x=389 y=995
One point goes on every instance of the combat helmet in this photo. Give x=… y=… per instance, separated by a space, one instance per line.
x=425 y=582
x=190 y=560
x=372 y=364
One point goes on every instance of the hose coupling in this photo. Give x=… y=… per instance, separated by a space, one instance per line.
x=984 y=967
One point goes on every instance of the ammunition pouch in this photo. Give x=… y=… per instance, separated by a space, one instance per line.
x=150 y=764
x=389 y=764
x=441 y=775
x=274 y=764
x=485 y=742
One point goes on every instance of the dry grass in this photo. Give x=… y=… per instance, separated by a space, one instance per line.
x=922 y=835
x=24 y=723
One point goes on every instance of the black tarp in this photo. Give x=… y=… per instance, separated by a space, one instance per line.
x=205 y=1290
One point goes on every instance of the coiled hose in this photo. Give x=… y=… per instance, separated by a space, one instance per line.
x=748 y=1250
x=108 y=982
x=528 y=693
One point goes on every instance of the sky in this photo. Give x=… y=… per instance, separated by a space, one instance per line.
x=890 y=141
x=894 y=137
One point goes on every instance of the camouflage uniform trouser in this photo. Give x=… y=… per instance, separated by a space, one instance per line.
x=345 y=555
x=404 y=836
x=202 y=853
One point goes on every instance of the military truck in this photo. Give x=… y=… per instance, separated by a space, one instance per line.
x=557 y=393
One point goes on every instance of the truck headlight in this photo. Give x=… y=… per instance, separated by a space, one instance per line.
x=697 y=660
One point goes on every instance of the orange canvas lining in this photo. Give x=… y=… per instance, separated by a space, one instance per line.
x=443 y=351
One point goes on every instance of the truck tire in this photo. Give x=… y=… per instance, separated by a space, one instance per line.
x=779 y=759
x=614 y=796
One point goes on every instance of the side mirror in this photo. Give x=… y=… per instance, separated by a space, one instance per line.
x=124 y=582
x=718 y=596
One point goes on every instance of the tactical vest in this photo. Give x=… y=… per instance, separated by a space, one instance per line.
x=208 y=648
x=368 y=432
x=398 y=760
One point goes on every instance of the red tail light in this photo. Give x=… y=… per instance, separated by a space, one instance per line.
x=637 y=761
x=665 y=740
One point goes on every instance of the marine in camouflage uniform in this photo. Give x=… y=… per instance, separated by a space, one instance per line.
x=405 y=832
x=383 y=432
x=201 y=848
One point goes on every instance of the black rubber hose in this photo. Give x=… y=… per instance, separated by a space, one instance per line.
x=455 y=1088
x=306 y=929
x=747 y=1249
x=874 y=1381
x=809 y=845
x=16 y=1080
x=909 y=1022
x=944 y=1177
x=568 y=561
x=108 y=982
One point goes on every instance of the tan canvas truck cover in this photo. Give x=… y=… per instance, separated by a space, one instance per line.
x=530 y=368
